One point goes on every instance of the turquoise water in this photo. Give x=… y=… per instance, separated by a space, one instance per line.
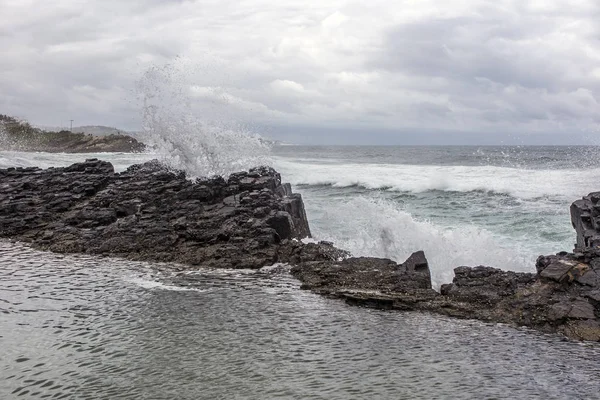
x=497 y=206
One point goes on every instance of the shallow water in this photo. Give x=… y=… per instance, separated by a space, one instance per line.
x=81 y=327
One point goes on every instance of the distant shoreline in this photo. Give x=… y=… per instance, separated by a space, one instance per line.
x=67 y=142
x=18 y=135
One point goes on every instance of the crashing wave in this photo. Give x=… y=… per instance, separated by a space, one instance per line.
x=185 y=137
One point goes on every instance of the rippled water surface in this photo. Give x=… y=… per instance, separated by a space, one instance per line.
x=79 y=327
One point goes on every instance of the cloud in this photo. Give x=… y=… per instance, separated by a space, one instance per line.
x=484 y=68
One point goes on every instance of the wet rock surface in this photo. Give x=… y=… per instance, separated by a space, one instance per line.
x=562 y=305
x=585 y=217
x=151 y=213
x=563 y=296
x=251 y=220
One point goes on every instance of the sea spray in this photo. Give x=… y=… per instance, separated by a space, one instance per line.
x=377 y=227
x=191 y=134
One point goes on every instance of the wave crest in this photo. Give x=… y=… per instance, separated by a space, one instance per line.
x=564 y=184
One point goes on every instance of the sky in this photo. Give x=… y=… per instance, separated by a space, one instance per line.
x=327 y=71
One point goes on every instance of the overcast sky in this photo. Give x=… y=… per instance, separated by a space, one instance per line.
x=327 y=71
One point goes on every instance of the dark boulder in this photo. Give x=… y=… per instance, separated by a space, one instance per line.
x=585 y=217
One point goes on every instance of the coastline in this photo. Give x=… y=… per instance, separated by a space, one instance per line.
x=16 y=135
x=252 y=220
x=69 y=142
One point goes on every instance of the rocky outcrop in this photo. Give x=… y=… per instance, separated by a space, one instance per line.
x=585 y=217
x=368 y=281
x=251 y=219
x=151 y=213
x=563 y=297
x=556 y=299
x=365 y=274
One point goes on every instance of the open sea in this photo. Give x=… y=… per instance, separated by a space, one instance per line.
x=81 y=327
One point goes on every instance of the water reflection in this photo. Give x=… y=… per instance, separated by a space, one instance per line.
x=84 y=327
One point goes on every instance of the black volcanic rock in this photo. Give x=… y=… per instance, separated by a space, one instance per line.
x=585 y=217
x=362 y=274
x=368 y=281
x=563 y=296
x=151 y=213
x=567 y=303
x=252 y=220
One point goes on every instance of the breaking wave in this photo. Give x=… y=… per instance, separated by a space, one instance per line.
x=565 y=184
x=376 y=227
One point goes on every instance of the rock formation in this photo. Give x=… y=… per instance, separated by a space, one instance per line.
x=549 y=301
x=563 y=296
x=585 y=217
x=151 y=213
x=251 y=219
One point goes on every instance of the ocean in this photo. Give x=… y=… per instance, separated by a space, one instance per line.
x=75 y=326
x=471 y=205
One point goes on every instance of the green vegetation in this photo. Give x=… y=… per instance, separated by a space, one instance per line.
x=20 y=135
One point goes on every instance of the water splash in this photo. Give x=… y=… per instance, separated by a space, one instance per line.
x=381 y=229
x=193 y=135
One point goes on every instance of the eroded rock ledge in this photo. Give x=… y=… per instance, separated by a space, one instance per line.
x=151 y=213
x=251 y=220
x=562 y=297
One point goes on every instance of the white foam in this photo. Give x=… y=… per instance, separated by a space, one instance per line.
x=566 y=184
x=274 y=268
x=150 y=284
x=201 y=141
x=374 y=227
